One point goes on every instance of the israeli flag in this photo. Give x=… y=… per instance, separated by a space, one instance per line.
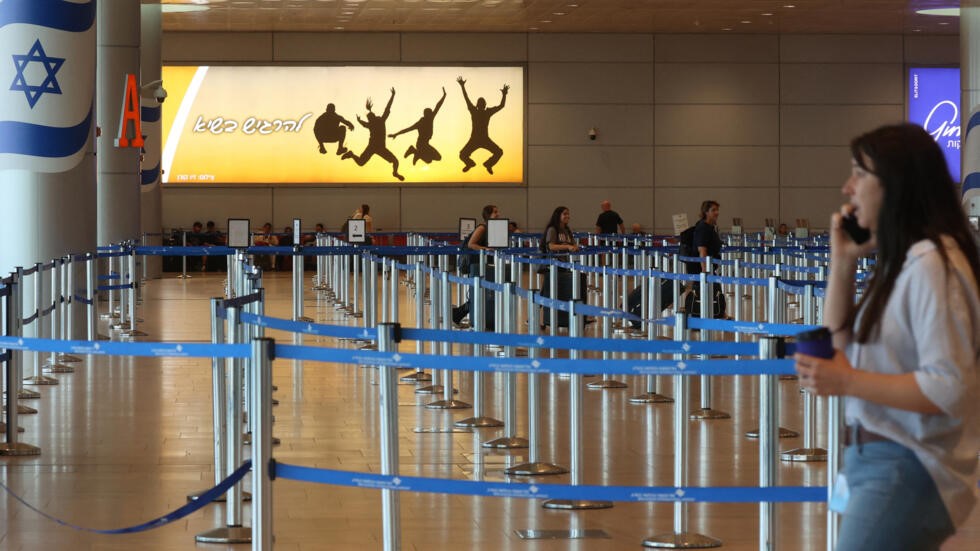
x=47 y=83
x=971 y=164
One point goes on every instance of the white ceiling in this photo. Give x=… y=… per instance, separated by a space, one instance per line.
x=612 y=16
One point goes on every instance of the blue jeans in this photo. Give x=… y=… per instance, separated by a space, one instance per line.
x=893 y=505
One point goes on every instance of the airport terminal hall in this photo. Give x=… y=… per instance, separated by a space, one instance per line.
x=494 y=275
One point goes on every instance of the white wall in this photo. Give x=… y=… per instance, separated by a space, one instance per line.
x=759 y=123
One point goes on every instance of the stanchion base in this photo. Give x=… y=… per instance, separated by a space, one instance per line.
x=357 y=315
x=18 y=449
x=417 y=377
x=67 y=358
x=57 y=368
x=368 y=346
x=651 y=398
x=681 y=541
x=708 y=413
x=607 y=383
x=804 y=454
x=433 y=389
x=479 y=422
x=535 y=469
x=576 y=504
x=40 y=380
x=101 y=337
x=246 y=496
x=783 y=433
x=3 y=428
x=304 y=319
x=449 y=404
x=787 y=377
x=122 y=326
x=24 y=410
x=25 y=394
x=507 y=442
x=226 y=534
x=134 y=333
x=275 y=402
x=108 y=315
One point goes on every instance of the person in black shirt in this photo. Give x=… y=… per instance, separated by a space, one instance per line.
x=609 y=220
x=706 y=240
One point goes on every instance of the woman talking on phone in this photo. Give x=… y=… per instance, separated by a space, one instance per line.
x=908 y=353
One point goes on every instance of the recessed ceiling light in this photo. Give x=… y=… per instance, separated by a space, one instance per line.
x=917 y=30
x=767 y=14
x=727 y=29
x=338 y=28
x=945 y=12
x=944 y=22
x=745 y=21
x=558 y=13
x=789 y=6
x=545 y=21
x=182 y=8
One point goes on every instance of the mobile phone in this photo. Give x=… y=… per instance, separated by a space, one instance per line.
x=858 y=234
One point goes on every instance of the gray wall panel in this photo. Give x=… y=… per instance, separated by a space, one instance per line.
x=814 y=204
x=419 y=214
x=183 y=206
x=590 y=47
x=464 y=47
x=591 y=165
x=632 y=204
x=590 y=83
x=751 y=83
x=829 y=48
x=824 y=166
x=208 y=47
x=569 y=124
x=833 y=124
x=715 y=48
x=753 y=205
x=715 y=167
x=334 y=47
x=842 y=83
x=932 y=50
x=717 y=125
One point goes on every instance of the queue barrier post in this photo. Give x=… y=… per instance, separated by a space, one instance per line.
x=389 y=334
x=263 y=352
x=770 y=348
x=706 y=412
x=680 y=538
x=509 y=440
x=651 y=306
x=776 y=313
x=14 y=327
x=53 y=365
x=608 y=292
x=38 y=328
x=809 y=451
x=419 y=287
x=445 y=306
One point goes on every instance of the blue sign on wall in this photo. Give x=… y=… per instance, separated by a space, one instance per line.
x=934 y=102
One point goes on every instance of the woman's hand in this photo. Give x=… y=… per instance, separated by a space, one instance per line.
x=841 y=244
x=825 y=377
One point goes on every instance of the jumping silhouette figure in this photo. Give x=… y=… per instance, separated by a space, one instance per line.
x=328 y=129
x=422 y=148
x=376 y=141
x=480 y=135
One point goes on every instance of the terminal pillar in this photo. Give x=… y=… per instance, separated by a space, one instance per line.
x=970 y=103
x=151 y=110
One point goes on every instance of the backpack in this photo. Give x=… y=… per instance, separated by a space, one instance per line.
x=464 y=261
x=686 y=241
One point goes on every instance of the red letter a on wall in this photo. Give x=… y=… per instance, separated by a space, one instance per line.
x=130 y=113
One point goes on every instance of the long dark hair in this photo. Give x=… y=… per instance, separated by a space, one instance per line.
x=706 y=206
x=920 y=202
x=488 y=212
x=554 y=222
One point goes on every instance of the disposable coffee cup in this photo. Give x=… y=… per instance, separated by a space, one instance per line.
x=815 y=342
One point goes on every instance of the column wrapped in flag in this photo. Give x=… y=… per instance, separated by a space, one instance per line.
x=47 y=81
x=971 y=164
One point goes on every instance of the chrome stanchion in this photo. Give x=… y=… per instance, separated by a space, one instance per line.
x=534 y=467
x=651 y=396
x=420 y=375
x=479 y=420
x=68 y=308
x=680 y=538
x=122 y=323
x=809 y=451
x=445 y=305
x=134 y=283
x=298 y=285
x=356 y=286
x=233 y=531
x=52 y=366
x=509 y=440
x=394 y=290
x=91 y=307
x=575 y=427
x=263 y=351
x=707 y=312
x=388 y=335
x=37 y=378
x=608 y=282
x=769 y=349
x=436 y=387
x=775 y=303
x=14 y=324
x=835 y=458
x=183 y=258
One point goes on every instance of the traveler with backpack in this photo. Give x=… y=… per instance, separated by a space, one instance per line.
x=702 y=240
x=469 y=263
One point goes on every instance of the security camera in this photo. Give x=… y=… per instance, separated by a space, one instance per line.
x=593 y=133
x=154 y=90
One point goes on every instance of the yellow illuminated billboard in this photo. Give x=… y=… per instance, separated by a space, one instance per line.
x=340 y=125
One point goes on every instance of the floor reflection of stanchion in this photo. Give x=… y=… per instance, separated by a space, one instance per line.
x=389 y=334
x=13 y=325
x=509 y=440
x=534 y=466
x=575 y=428
x=680 y=538
x=479 y=420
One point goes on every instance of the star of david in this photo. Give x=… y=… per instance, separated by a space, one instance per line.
x=51 y=66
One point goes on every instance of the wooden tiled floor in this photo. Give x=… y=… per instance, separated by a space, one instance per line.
x=125 y=440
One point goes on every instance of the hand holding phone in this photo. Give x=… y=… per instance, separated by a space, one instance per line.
x=857 y=233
